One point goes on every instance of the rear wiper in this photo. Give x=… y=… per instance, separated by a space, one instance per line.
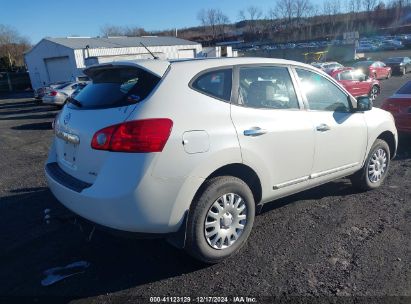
x=75 y=102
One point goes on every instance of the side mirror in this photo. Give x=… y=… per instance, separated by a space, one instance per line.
x=364 y=104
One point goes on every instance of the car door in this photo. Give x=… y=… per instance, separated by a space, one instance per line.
x=362 y=85
x=276 y=136
x=340 y=133
x=374 y=72
x=345 y=78
x=384 y=71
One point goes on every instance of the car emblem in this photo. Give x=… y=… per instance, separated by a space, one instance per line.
x=67 y=118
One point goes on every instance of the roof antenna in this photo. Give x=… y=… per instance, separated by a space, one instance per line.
x=154 y=57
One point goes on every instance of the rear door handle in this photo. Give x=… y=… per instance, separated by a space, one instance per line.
x=255 y=131
x=323 y=127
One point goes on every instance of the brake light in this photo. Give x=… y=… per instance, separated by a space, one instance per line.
x=53 y=93
x=138 y=136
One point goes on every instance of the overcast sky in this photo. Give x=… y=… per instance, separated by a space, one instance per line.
x=38 y=19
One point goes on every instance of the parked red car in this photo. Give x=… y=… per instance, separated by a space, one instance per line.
x=375 y=69
x=357 y=83
x=399 y=105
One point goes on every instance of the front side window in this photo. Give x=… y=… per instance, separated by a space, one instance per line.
x=358 y=76
x=346 y=75
x=267 y=87
x=215 y=83
x=322 y=94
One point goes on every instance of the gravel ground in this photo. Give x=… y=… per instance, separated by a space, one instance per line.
x=325 y=242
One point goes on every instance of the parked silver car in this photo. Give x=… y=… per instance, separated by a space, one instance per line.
x=60 y=94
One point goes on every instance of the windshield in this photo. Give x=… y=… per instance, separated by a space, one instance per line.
x=117 y=86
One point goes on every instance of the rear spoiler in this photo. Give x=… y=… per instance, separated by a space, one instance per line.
x=156 y=67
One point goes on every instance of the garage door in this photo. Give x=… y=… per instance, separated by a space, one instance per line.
x=58 y=69
x=186 y=54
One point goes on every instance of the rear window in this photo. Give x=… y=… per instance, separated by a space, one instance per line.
x=62 y=86
x=405 y=89
x=115 y=87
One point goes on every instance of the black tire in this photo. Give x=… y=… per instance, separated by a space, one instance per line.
x=375 y=90
x=196 y=241
x=361 y=179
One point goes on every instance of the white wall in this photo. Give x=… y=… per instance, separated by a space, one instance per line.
x=36 y=64
x=35 y=59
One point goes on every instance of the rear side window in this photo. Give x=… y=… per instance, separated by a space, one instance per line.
x=215 y=83
x=116 y=86
x=346 y=75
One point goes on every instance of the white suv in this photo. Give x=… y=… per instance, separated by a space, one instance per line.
x=190 y=149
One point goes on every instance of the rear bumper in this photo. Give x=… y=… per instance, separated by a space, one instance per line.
x=53 y=100
x=124 y=200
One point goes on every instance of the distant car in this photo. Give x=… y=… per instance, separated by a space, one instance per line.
x=78 y=90
x=400 y=65
x=375 y=69
x=60 y=94
x=367 y=47
x=40 y=92
x=327 y=67
x=399 y=105
x=357 y=83
x=391 y=44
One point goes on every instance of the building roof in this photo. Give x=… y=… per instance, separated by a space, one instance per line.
x=115 y=42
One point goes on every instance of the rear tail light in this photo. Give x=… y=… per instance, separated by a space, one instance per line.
x=53 y=93
x=138 y=136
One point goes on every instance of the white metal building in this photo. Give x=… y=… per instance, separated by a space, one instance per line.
x=63 y=59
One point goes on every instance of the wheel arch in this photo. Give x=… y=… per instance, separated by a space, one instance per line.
x=389 y=138
x=241 y=171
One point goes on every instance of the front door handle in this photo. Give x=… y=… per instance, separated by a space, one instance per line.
x=255 y=131
x=323 y=127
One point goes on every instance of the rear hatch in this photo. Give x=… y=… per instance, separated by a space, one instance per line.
x=115 y=92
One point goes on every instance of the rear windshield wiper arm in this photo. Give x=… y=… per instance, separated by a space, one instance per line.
x=75 y=102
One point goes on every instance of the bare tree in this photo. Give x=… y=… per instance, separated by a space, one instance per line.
x=285 y=10
x=111 y=30
x=115 y=30
x=301 y=9
x=12 y=46
x=222 y=22
x=135 y=31
x=369 y=5
x=214 y=20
